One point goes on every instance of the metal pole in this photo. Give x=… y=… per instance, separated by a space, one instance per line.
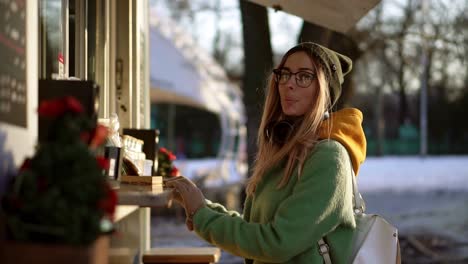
x=423 y=93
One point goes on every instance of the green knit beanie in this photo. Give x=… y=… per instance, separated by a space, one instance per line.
x=334 y=65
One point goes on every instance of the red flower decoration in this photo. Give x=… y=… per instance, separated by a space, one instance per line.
x=73 y=105
x=85 y=136
x=163 y=150
x=174 y=172
x=26 y=165
x=109 y=202
x=165 y=163
x=76 y=133
x=57 y=107
x=50 y=108
x=103 y=163
x=168 y=153
x=99 y=136
x=171 y=156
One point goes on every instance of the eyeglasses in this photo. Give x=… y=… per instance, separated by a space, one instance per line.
x=303 y=78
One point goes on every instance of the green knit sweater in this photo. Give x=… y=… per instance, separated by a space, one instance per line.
x=284 y=225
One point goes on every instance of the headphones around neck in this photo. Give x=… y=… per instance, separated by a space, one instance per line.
x=280 y=131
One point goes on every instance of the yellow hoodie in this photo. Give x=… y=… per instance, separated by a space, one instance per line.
x=346 y=128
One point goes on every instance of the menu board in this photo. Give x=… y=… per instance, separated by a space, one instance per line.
x=13 y=92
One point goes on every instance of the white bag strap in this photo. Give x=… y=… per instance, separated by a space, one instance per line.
x=359 y=207
x=324 y=251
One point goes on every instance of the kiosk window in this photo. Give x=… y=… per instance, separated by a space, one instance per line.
x=51 y=39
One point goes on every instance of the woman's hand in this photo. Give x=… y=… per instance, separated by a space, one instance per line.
x=188 y=195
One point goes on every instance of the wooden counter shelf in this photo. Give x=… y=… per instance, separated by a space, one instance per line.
x=143 y=196
x=184 y=255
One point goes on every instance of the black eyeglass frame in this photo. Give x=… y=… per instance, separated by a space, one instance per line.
x=278 y=71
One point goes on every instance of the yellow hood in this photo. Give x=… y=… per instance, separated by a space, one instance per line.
x=346 y=128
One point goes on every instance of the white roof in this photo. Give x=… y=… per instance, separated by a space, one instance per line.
x=181 y=72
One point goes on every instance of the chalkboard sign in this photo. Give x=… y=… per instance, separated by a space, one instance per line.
x=13 y=91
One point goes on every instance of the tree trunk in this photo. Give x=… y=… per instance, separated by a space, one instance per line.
x=258 y=61
x=379 y=106
x=401 y=82
x=406 y=23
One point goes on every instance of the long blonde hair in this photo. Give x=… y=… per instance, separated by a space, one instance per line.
x=304 y=137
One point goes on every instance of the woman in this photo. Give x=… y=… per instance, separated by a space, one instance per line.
x=300 y=190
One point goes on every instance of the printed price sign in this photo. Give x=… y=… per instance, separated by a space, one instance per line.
x=13 y=94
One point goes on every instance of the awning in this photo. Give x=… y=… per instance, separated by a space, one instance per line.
x=183 y=73
x=338 y=15
x=174 y=79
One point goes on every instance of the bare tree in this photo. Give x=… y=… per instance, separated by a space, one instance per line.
x=258 y=61
x=400 y=40
x=379 y=120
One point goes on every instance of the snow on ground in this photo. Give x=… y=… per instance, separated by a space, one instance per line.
x=402 y=173
x=414 y=173
x=418 y=194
